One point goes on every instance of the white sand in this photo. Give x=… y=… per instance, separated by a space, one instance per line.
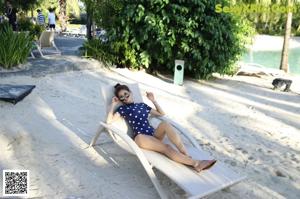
x=240 y=121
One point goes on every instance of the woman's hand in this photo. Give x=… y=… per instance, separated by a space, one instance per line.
x=157 y=111
x=115 y=101
x=111 y=116
x=150 y=96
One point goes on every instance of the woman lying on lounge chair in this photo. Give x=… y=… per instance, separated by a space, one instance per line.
x=145 y=136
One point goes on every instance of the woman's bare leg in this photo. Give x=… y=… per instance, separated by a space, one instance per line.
x=164 y=128
x=153 y=144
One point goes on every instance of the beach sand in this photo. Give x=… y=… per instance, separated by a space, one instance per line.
x=239 y=120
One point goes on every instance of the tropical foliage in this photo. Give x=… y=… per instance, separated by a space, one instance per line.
x=35 y=30
x=66 y=9
x=152 y=34
x=272 y=23
x=100 y=51
x=2 y=7
x=14 y=47
x=70 y=9
x=23 y=4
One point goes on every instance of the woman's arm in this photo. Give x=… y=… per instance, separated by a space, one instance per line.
x=111 y=116
x=158 y=110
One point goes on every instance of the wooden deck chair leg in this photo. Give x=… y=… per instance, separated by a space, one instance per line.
x=98 y=132
x=112 y=135
x=138 y=152
x=32 y=55
x=40 y=50
x=149 y=170
x=56 y=47
x=95 y=138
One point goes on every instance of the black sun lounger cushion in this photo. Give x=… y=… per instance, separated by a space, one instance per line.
x=14 y=93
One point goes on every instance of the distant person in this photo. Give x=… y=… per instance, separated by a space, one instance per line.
x=11 y=14
x=51 y=19
x=40 y=18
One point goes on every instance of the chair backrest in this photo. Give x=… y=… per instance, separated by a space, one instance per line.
x=108 y=93
x=46 y=39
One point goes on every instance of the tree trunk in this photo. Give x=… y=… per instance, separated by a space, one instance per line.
x=89 y=26
x=285 y=49
x=63 y=14
x=89 y=16
x=94 y=28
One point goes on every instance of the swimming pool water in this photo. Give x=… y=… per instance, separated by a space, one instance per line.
x=271 y=59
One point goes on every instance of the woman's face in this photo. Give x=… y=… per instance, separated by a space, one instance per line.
x=125 y=96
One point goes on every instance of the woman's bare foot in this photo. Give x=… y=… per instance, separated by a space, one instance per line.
x=211 y=164
x=203 y=164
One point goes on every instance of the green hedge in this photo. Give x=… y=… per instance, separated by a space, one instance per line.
x=152 y=34
x=14 y=47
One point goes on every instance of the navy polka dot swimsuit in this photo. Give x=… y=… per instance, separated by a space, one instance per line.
x=136 y=114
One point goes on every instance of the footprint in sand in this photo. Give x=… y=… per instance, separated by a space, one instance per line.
x=232 y=163
x=279 y=174
x=244 y=151
x=250 y=158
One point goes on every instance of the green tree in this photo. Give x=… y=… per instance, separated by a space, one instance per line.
x=152 y=34
x=272 y=23
x=64 y=13
x=2 y=5
x=73 y=8
x=23 y=4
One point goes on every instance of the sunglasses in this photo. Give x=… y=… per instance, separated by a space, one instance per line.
x=125 y=96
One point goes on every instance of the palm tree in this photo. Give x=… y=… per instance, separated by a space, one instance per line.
x=285 y=49
x=63 y=14
x=288 y=26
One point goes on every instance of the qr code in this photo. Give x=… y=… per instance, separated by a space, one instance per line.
x=15 y=182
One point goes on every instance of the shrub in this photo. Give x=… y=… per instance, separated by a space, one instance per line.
x=14 y=47
x=152 y=34
x=98 y=50
x=34 y=30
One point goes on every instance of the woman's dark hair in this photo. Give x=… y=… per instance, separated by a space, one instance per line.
x=119 y=87
x=51 y=9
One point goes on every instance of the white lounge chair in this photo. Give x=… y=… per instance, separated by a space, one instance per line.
x=46 y=40
x=196 y=185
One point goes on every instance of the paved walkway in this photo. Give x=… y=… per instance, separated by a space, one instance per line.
x=70 y=60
